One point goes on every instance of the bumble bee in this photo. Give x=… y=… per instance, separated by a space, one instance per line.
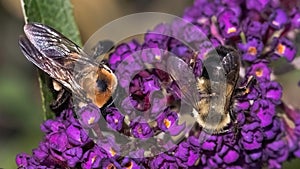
x=212 y=94
x=65 y=62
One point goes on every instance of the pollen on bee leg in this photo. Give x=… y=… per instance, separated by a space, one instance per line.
x=247 y=90
x=56 y=86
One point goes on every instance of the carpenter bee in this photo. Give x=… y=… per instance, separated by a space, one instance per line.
x=212 y=94
x=65 y=62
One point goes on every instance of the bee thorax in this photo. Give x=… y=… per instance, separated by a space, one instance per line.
x=102 y=85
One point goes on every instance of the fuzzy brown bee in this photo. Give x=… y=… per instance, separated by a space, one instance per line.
x=212 y=94
x=65 y=62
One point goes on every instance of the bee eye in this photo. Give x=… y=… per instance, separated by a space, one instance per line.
x=102 y=85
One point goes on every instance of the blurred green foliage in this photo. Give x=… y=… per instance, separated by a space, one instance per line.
x=20 y=105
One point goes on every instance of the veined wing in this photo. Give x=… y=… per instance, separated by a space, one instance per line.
x=185 y=79
x=53 y=68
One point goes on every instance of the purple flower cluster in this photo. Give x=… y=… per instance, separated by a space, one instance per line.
x=267 y=135
x=68 y=145
x=63 y=144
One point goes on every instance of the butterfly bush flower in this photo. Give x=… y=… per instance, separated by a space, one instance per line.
x=283 y=47
x=114 y=118
x=89 y=115
x=166 y=119
x=252 y=49
x=262 y=31
x=141 y=130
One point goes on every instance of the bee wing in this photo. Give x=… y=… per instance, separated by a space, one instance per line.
x=53 y=68
x=101 y=48
x=54 y=45
x=185 y=79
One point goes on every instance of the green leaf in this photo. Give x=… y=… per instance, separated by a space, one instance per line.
x=57 y=14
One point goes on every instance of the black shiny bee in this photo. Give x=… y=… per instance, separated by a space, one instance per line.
x=212 y=94
x=65 y=62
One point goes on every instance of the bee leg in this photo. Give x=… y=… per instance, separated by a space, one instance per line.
x=235 y=130
x=61 y=101
x=235 y=124
x=232 y=114
x=102 y=47
x=241 y=91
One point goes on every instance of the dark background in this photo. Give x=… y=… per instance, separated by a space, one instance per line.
x=20 y=101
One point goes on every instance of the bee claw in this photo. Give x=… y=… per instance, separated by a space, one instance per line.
x=241 y=91
x=61 y=101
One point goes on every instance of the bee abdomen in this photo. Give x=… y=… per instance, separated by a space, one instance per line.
x=211 y=119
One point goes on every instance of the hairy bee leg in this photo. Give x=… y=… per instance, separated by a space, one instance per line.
x=102 y=47
x=61 y=100
x=233 y=117
x=232 y=114
x=241 y=91
x=235 y=125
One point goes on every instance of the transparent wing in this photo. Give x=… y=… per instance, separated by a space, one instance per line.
x=50 y=66
x=185 y=79
x=54 y=45
x=101 y=48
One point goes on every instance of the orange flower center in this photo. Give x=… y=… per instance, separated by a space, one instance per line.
x=280 y=48
x=110 y=166
x=129 y=165
x=112 y=151
x=259 y=72
x=167 y=123
x=139 y=130
x=252 y=50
